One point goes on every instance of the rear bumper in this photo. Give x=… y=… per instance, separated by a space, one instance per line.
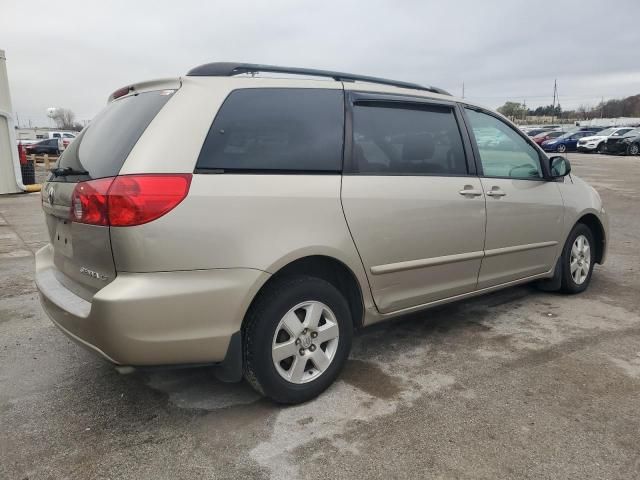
x=161 y=318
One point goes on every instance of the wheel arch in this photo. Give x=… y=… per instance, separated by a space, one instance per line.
x=596 y=227
x=328 y=268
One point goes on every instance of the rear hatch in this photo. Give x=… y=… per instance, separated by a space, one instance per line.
x=82 y=252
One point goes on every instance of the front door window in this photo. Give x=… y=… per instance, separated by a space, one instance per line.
x=503 y=152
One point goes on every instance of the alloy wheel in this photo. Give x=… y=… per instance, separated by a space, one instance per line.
x=305 y=342
x=580 y=260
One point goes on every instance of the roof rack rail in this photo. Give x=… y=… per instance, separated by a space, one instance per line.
x=229 y=69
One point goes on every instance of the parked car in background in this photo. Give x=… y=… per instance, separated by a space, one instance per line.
x=59 y=135
x=544 y=136
x=634 y=145
x=535 y=131
x=595 y=143
x=433 y=200
x=626 y=144
x=67 y=138
x=591 y=129
x=52 y=146
x=565 y=143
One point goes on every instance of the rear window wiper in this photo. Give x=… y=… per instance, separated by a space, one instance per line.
x=64 y=171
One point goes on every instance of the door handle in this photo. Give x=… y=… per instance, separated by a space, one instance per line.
x=496 y=192
x=470 y=191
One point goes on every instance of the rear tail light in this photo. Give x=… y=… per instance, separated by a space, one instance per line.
x=138 y=199
x=128 y=200
x=89 y=202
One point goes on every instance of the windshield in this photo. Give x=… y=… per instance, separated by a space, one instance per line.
x=621 y=132
x=102 y=147
x=606 y=132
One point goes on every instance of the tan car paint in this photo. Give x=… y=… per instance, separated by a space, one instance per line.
x=244 y=221
x=185 y=281
x=158 y=318
x=524 y=229
x=582 y=199
x=419 y=238
x=172 y=142
x=78 y=247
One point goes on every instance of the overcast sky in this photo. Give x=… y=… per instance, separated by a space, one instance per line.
x=73 y=54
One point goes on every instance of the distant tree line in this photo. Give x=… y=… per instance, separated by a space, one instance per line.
x=65 y=120
x=624 y=107
x=519 y=110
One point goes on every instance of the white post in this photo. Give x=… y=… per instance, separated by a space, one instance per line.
x=10 y=174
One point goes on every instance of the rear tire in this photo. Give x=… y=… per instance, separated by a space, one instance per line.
x=634 y=149
x=290 y=352
x=561 y=148
x=578 y=258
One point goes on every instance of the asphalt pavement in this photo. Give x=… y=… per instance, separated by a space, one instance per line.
x=516 y=384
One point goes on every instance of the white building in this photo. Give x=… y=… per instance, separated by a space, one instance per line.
x=610 y=122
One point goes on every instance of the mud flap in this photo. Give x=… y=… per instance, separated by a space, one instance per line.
x=554 y=283
x=230 y=370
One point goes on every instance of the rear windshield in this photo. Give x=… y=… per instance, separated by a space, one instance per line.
x=103 y=146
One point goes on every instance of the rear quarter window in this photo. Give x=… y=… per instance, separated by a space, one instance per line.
x=276 y=129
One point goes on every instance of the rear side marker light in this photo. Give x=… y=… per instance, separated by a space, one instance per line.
x=128 y=200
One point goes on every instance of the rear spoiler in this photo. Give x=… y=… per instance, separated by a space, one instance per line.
x=151 y=85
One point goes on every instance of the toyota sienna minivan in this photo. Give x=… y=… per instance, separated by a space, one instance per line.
x=252 y=217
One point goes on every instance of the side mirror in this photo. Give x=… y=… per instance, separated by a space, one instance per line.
x=559 y=167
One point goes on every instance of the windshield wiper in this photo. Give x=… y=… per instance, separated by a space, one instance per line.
x=65 y=171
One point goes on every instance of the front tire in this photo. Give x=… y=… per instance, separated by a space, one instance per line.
x=297 y=338
x=600 y=148
x=561 y=148
x=578 y=258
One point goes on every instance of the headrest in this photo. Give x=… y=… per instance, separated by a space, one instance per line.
x=417 y=146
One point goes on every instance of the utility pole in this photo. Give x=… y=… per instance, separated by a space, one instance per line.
x=553 y=105
x=602 y=108
x=463 y=89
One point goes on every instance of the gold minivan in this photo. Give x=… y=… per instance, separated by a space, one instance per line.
x=252 y=217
